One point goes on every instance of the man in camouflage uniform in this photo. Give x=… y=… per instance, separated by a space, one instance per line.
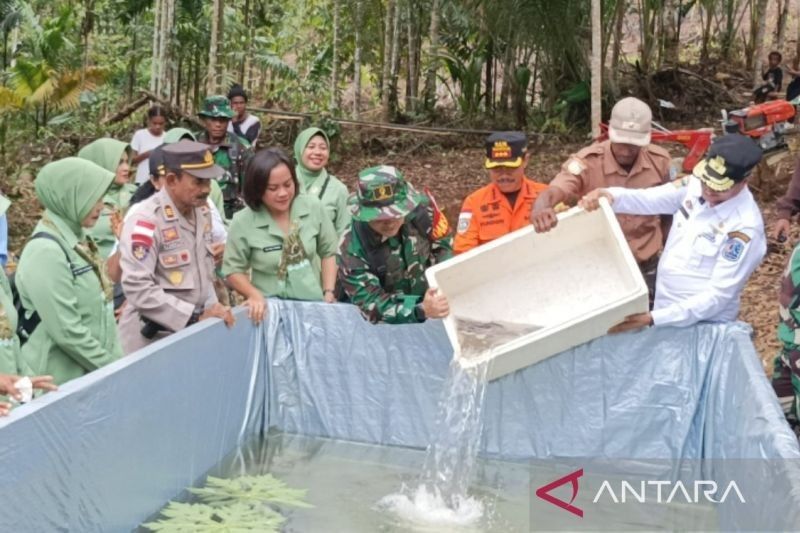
x=231 y=152
x=396 y=233
x=786 y=373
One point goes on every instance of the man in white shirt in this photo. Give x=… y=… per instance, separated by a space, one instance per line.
x=716 y=241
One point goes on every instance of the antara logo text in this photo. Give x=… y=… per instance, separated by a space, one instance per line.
x=651 y=491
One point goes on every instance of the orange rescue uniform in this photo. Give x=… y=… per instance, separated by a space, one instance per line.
x=487 y=214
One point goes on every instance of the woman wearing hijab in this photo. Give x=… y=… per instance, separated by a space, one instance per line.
x=311 y=152
x=60 y=275
x=114 y=156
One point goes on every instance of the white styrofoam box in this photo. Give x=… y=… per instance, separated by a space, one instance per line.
x=562 y=288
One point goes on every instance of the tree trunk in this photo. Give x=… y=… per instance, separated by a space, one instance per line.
x=132 y=63
x=247 y=47
x=597 y=67
x=619 y=20
x=357 y=62
x=411 y=85
x=797 y=46
x=388 y=38
x=708 y=9
x=334 y=103
x=783 y=15
x=217 y=13
x=433 y=58
x=394 y=60
x=154 y=62
x=489 y=76
x=758 y=56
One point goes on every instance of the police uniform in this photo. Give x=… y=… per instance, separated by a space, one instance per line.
x=488 y=213
x=385 y=277
x=711 y=250
x=166 y=257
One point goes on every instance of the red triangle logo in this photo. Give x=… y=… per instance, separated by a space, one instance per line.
x=543 y=492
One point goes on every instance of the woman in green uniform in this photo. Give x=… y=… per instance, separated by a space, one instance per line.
x=114 y=156
x=284 y=237
x=312 y=151
x=61 y=277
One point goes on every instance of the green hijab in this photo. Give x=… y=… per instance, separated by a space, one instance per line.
x=69 y=188
x=305 y=175
x=106 y=153
x=176 y=134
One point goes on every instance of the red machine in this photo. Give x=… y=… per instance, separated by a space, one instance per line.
x=765 y=123
x=697 y=141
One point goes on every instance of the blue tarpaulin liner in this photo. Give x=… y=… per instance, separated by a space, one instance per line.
x=109 y=449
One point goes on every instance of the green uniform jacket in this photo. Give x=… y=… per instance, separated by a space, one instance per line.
x=77 y=332
x=107 y=153
x=327 y=187
x=9 y=343
x=282 y=266
x=789 y=303
x=392 y=296
x=232 y=155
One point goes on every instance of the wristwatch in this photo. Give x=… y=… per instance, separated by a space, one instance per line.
x=419 y=313
x=194 y=318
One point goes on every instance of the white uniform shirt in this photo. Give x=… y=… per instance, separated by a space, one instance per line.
x=710 y=253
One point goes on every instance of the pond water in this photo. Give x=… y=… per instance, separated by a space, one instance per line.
x=346 y=482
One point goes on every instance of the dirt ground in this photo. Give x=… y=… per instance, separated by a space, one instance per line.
x=452 y=173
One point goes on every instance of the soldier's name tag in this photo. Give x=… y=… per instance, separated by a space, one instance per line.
x=175 y=259
x=273 y=248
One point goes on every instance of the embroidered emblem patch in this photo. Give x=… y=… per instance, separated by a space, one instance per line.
x=733 y=249
x=575 y=167
x=464 y=220
x=176 y=277
x=170 y=234
x=169 y=212
x=139 y=250
x=738 y=235
x=143 y=232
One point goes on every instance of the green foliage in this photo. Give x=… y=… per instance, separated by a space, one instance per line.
x=245 y=503
x=252 y=489
x=192 y=518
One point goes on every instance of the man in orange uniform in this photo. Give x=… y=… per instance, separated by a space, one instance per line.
x=505 y=204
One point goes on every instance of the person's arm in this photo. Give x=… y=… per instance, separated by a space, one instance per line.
x=3 y=240
x=136 y=149
x=253 y=132
x=728 y=278
x=235 y=268
x=467 y=236
x=218 y=231
x=327 y=243
x=50 y=287
x=661 y=200
x=113 y=268
x=567 y=184
x=343 y=215
x=139 y=282
x=365 y=291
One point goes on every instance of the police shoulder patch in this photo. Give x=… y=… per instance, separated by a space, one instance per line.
x=464 y=220
x=733 y=249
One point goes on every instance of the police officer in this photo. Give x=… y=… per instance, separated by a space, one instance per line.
x=396 y=233
x=505 y=204
x=716 y=240
x=231 y=152
x=628 y=160
x=167 y=253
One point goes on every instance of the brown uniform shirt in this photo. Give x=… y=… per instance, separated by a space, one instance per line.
x=594 y=167
x=167 y=268
x=789 y=204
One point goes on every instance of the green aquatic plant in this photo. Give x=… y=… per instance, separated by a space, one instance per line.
x=253 y=489
x=231 y=505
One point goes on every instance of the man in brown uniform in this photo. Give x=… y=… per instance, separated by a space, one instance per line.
x=787 y=207
x=626 y=160
x=166 y=252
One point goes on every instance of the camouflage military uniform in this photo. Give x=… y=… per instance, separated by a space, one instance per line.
x=232 y=155
x=786 y=374
x=384 y=277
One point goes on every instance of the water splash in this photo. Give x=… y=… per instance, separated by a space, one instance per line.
x=441 y=496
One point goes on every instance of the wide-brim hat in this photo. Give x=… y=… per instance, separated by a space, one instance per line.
x=382 y=194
